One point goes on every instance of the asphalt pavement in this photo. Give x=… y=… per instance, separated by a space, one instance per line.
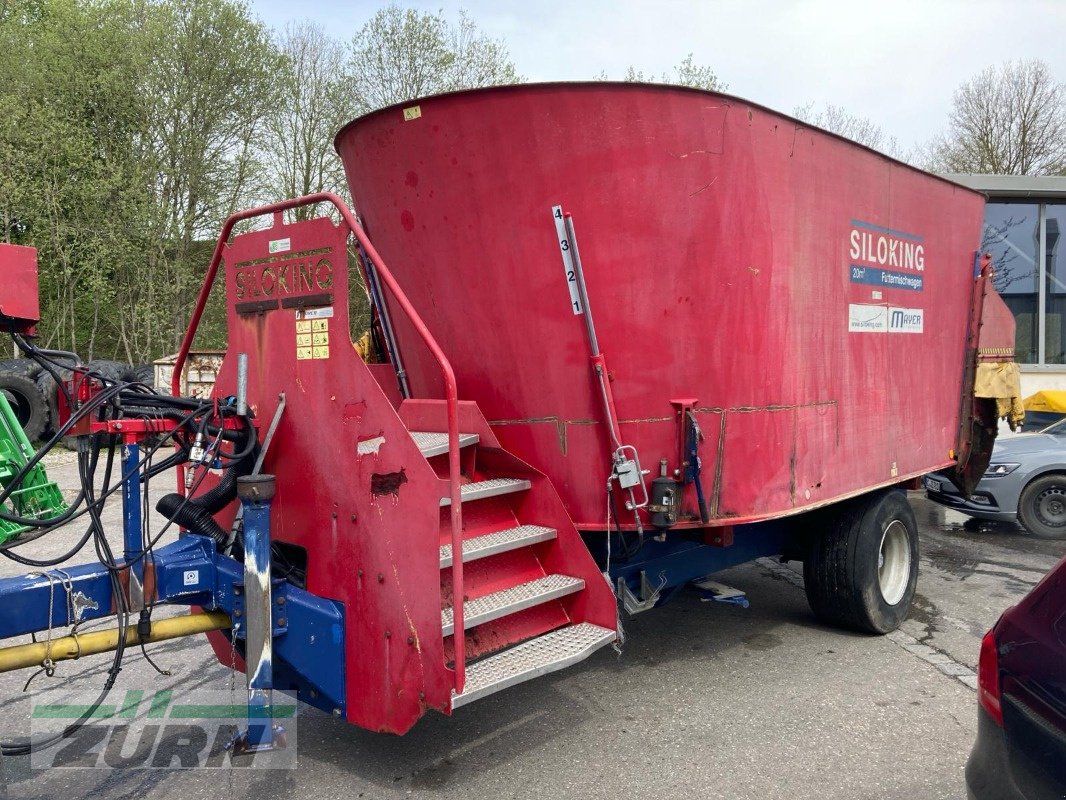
x=704 y=700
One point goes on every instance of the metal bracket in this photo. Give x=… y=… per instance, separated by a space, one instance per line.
x=649 y=595
x=279 y=624
x=720 y=593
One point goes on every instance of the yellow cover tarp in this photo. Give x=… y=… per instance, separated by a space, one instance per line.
x=1051 y=400
x=1002 y=381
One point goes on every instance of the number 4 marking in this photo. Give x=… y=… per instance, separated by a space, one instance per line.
x=568 y=265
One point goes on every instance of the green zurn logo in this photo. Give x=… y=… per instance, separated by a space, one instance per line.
x=158 y=730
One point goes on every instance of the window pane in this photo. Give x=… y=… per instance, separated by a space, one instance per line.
x=1010 y=235
x=1055 y=297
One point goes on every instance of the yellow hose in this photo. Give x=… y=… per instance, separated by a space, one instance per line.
x=21 y=656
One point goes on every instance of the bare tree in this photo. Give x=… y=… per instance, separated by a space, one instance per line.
x=314 y=100
x=851 y=126
x=1011 y=263
x=1008 y=120
x=687 y=73
x=401 y=54
x=207 y=82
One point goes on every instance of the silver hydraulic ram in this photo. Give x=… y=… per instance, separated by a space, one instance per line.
x=256 y=493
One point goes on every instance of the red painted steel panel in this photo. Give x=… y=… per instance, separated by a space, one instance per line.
x=374 y=551
x=18 y=265
x=808 y=291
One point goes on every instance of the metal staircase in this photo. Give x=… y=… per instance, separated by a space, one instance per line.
x=534 y=600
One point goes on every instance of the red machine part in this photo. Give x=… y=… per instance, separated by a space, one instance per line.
x=371 y=509
x=19 y=305
x=813 y=295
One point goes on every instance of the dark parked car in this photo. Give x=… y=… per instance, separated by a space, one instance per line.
x=1020 y=753
x=1026 y=481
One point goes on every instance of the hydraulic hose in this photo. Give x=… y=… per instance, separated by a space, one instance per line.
x=197 y=513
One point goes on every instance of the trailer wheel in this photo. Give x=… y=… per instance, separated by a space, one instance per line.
x=27 y=403
x=1042 y=507
x=862 y=568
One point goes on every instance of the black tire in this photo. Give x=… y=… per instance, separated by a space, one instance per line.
x=25 y=367
x=49 y=390
x=27 y=403
x=1042 y=507
x=843 y=574
x=114 y=370
x=146 y=374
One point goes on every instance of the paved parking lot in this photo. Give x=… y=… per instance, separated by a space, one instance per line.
x=705 y=701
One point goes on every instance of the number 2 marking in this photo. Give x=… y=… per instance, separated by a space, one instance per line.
x=568 y=265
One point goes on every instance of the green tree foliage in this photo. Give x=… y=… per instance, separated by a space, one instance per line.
x=1007 y=120
x=130 y=129
x=126 y=137
x=208 y=86
x=401 y=54
x=69 y=182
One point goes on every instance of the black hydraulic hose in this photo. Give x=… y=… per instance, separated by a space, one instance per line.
x=190 y=514
x=94 y=454
x=214 y=500
x=26 y=745
x=197 y=513
x=52 y=562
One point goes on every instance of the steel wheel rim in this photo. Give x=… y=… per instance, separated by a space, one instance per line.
x=894 y=562
x=1051 y=506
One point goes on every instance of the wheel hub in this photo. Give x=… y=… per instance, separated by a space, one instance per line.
x=1051 y=507
x=894 y=562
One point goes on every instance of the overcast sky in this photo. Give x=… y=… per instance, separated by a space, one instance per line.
x=896 y=62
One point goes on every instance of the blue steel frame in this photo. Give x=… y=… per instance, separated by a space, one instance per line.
x=677 y=561
x=308 y=649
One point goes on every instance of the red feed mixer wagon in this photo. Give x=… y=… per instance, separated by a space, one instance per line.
x=624 y=337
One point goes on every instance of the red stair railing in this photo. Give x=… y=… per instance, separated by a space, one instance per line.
x=451 y=392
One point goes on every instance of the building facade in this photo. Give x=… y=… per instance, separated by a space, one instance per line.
x=1025 y=218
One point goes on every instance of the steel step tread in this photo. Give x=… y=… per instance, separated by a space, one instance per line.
x=508 y=601
x=488 y=488
x=550 y=652
x=490 y=544
x=435 y=444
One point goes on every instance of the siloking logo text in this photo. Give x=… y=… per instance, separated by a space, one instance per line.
x=158 y=730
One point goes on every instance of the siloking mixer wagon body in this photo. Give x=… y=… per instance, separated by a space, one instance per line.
x=624 y=337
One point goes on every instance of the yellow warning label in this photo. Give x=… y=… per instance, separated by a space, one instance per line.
x=312 y=339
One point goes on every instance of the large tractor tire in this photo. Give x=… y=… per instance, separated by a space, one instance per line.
x=27 y=402
x=117 y=371
x=49 y=390
x=24 y=367
x=145 y=374
x=861 y=570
